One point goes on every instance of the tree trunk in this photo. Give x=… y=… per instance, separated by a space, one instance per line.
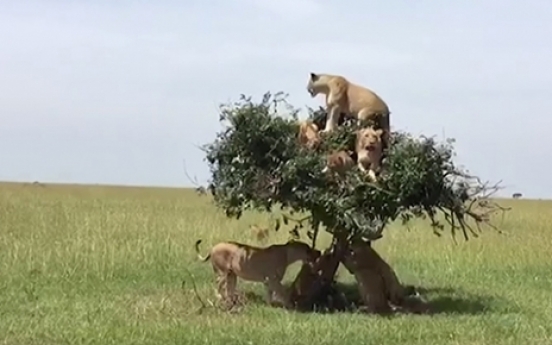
x=314 y=286
x=379 y=286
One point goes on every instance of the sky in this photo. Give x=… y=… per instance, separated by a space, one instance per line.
x=124 y=92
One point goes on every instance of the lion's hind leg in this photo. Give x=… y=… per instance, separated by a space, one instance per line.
x=231 y=291
x=220 y=291
x=369 y=117
x=226 y=284
x=275 y=289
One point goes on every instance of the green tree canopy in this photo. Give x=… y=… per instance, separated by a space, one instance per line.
x=257 y=163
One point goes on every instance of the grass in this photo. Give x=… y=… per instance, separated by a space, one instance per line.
x=109 y=265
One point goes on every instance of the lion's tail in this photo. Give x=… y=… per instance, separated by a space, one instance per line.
x=198 y=255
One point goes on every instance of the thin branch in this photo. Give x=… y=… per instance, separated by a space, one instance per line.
x=315 y=235
x=479 y=207
x=299 y=221
x=194 y=181
x=196 y=293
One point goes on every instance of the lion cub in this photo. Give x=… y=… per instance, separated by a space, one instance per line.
x=268 y=265
x=343 y=96
x=261 y=233
x=308 y=134
x=339 y=161
x=369 y=149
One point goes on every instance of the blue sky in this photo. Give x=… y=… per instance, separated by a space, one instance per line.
x=122 y=92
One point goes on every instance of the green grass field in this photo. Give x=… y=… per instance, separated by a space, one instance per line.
x=108 y=265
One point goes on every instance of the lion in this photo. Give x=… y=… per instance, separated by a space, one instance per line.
x=371 y=285
x=343 y=96
x=377 y=282
x=338 y=161
x=308 y=134
x=267 y=265
x=369 y=149
x=261 y=233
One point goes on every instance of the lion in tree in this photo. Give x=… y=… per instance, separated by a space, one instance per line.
x=419 y=179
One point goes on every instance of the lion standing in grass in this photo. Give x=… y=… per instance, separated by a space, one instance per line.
x=268 y=265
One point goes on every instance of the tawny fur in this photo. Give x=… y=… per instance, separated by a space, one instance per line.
x=343 y=96
x=371 y=288
x=267 y=265
x=363 y=257
x=379 y=286
x=308 y=134
x=339 y=162
x=260 y=233
x=369 y=149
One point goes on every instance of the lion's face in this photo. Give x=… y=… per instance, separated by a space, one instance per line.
x=354 y=253
x=369 y=139
x=350 y=254
x=315 y=84
x=338 y=161
x=308 y=134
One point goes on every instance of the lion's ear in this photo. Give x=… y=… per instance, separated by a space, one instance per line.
x=379 y=132
x=313 y=76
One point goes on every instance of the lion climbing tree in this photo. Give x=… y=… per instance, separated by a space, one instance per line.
x=257 y=163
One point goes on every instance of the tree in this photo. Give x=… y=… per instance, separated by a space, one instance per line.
x=256 y=163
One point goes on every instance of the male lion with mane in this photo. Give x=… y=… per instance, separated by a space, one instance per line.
x=267 y=265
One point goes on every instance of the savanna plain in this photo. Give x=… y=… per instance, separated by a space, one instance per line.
x=116 y=265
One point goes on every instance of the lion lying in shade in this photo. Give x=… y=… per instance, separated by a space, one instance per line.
x=267 y=265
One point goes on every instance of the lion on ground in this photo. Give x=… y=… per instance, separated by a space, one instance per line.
x=268 y=265
x=378 y=285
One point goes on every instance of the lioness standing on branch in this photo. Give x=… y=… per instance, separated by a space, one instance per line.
x=267 y=265
x=354 y=100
